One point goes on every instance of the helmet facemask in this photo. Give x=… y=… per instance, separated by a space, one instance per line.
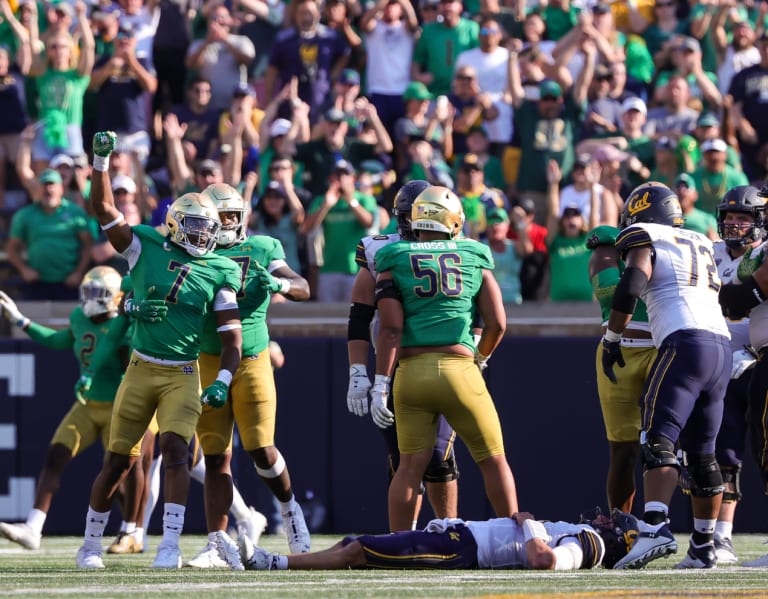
x=231 y=232
x=196 y=234
x=100 y=291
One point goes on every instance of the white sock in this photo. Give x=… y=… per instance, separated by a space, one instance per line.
x=154 y=490
x=723 y=530
x=657 y=506
x=288 y=506
x=281 y=561
x=138 y=534
x=704 y=525
x=95 y=523
x=130 y=528
x=35 y=520
x=239 y=508
x=173 y=523
x=212 y=538
x=414 y=524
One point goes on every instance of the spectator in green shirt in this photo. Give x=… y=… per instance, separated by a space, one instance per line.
x=695 y=219
x=713 y=176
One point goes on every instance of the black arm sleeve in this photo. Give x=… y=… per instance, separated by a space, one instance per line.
x=630 y=286
x=359 y=325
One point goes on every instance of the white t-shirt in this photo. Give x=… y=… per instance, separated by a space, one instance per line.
x=570 y=198
x=390 y=49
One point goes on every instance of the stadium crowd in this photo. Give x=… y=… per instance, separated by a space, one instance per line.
x=533 y=126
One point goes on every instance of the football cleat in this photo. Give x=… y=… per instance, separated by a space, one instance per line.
x=21 y=534
x=701 y=557
x=652 y=543
x=296 y=530
x=168 y=557
x=760 y=562
x=725 y=552
x=255 y=558
x=228 y=551
x=89 y=559
x=253 y=526
x=207 y=558
x=125 y=543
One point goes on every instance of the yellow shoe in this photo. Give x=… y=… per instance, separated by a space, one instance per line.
x=125 y=543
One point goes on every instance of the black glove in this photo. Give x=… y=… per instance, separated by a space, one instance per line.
x=612 y=355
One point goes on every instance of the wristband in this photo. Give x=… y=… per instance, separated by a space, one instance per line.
x=533 y=529
x=611 y=336
x=22 y=322
x=120 y=218
x=100 y=163
x=225 y=376
x=354 y=203
x=285 y=285
x=382 y=379
x=358 y=369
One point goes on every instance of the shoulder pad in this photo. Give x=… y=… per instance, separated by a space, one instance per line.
x=631 y=237
x=602 y=235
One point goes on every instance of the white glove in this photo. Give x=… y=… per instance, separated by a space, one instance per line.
x=357 y=394
x=11 y=311
x=481 y=360
x=743 y=360
x=382 y=417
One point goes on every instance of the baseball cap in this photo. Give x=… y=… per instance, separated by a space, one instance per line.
x=342 y=166
x=684 y=179
x=496 y=215
x=81 y=161
x=242 y=89
x=279 y=127
x=334 y=115
x=708 y=120
x=471 y=162
x=665 y=143
x=372 y=166
x=689 y=43
x=601 y=8
x=49 y=175
x=570 y=210
x=61 y=160
x=275 y=188
x=477 y=129
x=64 y=7
x=527 y=204
x=208 y=166
x=124 y=182
x=714 y=145
x=634 y=103
x=349 y=77
x=582 y=160
x=550 y=89
x=106 y=11
x=416 y=90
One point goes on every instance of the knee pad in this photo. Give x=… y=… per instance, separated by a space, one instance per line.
x=442 y=471
x=731 y=483
x=704 y=474
x=657 y=452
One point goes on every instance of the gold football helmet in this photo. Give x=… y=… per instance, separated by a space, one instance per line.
x=100 y=291
x=437 y=209
x=193 y=223
x=228 y=199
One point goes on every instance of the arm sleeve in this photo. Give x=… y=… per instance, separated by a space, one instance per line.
x=52 y=338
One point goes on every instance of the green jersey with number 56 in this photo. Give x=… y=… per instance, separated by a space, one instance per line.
x=188 y=284
x=439 y=281
x=253 y=298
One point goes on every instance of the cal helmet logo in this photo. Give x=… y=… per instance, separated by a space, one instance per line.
x=638 y=203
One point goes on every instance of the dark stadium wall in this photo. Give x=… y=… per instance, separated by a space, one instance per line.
x=544 y=390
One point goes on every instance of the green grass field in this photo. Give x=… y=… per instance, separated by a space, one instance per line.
x=51 y=572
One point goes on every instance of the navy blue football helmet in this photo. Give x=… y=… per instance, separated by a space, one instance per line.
x=619 y=532
x=652 y=202
x=401 y=208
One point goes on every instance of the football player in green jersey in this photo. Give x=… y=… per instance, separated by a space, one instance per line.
x=96 y=335
x=253 y=404
x=428 y=293
x=162 y=373
x=620 y=404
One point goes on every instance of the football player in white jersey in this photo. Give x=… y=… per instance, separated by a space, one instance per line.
x=518 y=542
x=442 y=473
x=673 y=271
x=746 y=296
x=741 y=225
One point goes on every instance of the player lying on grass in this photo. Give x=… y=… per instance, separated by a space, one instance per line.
x=519 y=542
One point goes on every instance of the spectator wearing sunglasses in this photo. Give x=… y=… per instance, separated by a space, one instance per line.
x=490 y=64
